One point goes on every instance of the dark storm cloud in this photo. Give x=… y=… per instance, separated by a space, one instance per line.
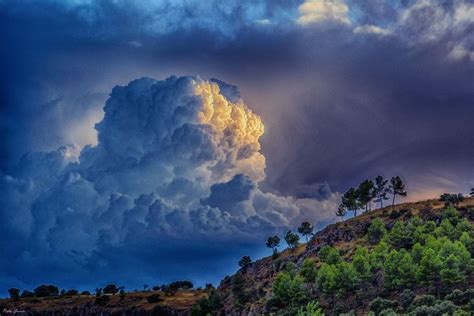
x=388 y=93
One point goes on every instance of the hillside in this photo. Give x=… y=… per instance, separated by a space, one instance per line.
x=382 y=260
x=345 y=236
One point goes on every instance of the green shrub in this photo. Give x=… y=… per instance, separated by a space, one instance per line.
x=457 y=297
x=311 y=309
x=428 y=300
x=379 y=304
x=406 y=298
x=376 y=231
x=329 y=255
x=388 y=312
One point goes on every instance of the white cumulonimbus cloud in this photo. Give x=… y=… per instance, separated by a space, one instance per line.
x=177 y=161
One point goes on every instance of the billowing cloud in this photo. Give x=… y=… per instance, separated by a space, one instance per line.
x=176 y=161
x=315 y=11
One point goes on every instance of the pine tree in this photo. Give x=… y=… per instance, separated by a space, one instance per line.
x=380 y=190
x=306 y=229
x=397 y=187
x=273 y=242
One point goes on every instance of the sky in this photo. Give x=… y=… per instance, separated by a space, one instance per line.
x=149 y=141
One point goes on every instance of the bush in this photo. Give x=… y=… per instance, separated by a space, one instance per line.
x=26 y=294
x=421 y=300
x=406 y=298
x=311 y=309
x=329 y=255
x=110 y=289
x=46 y=290
x=71 y=292
x=154 y=298
x=14 y=293
x=85 y=293
x=102 y=300
x=376 y=231
x=388 y=312
x=379 y=304
x=457 y=297
x=442 y=308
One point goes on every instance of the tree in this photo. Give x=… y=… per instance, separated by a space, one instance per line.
x=292 y=239
x=311 y=309
x=366 y=194
x=329 y=255
x=451 y=272
x=376 y=231
x=245 y=262
x=110 y=289
x=306 y=229
x=361 y=263
x=273 y=242
x=397 y=187
x=309 y=271
x=380 y=190
x=350 y=200
x=72 y=292
x=451 y=199
x=26 y=294
x=472 y=192
x=46 y=290
x=346 y=278
x=429 y=268
x=326 y=280
x=14 y=293
x=399 y=268
x=401 y=235
x=341 y=211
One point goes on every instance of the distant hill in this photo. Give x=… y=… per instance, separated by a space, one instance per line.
x=413 y=259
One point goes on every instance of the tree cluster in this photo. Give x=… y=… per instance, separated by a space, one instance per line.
x=369 y=191
x=412 y=254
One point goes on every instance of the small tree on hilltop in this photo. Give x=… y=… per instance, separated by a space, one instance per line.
x=14 y=293
x=306 y=229
x=451 y=199
x=273 y=242
x=397 y=187
x=341 y=211
x=366 y=194
x=380 y=190
x=245 y=262
x=292 y=239
x=110 y=289
x=350 y=200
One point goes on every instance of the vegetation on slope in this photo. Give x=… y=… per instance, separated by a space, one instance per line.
x=414 y=259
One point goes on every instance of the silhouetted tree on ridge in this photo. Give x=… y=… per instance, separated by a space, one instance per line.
x=292 y=239
x=306 y=229
x=397 y=187
x=273 y=242
x=380 y=190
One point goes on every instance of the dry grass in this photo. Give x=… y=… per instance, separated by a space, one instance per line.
x=182 y=300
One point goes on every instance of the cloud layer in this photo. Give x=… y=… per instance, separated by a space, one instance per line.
x=176 y=167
